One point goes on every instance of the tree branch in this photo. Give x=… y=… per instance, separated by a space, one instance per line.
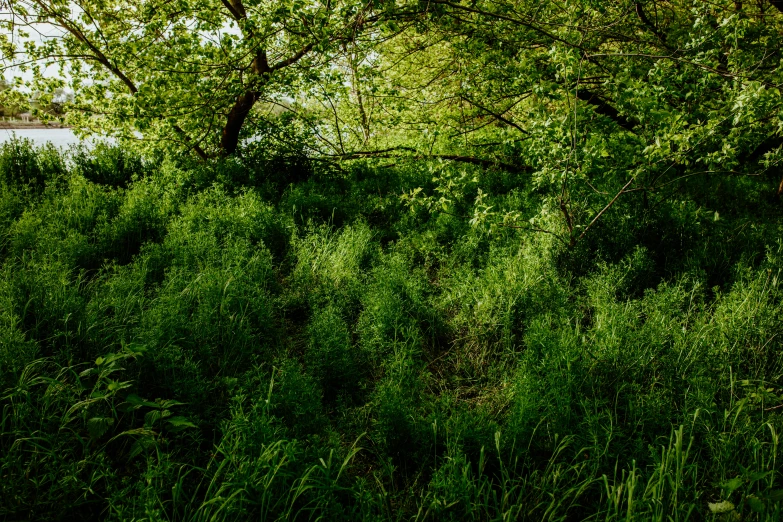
x=293 y=59
x=603 y=108
x=768 y=145
x=651 y=26
x=236 y=9
x=603 y=210
x=195 y=146
x=512 y=20
x=229 y=140
x=384 y=153
x=498 y=117
x=101 y=58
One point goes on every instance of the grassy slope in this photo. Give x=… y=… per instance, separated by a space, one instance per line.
x=175 y=347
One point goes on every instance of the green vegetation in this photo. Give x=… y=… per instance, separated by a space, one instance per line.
x=176 y=344
x=394 y=260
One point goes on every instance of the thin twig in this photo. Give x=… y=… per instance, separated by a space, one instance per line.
x=607 y=207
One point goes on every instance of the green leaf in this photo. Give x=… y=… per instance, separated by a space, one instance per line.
x=758 y=475
x=97 y=426
x=755 y=504
x=136 y=349
x=721 y=507
x=142 y=444
x=137 y=401
x=732 y=485
x=152 y=417
x=180 y=422
x=774 y=496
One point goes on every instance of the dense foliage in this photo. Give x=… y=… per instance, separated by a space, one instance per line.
x=588 y=102
x=282 y=339
x=394 y=260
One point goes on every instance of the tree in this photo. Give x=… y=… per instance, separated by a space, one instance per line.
x=185 y=73
x=587 y=101
x=3 y=88
x=591 y=100
x=12 y=100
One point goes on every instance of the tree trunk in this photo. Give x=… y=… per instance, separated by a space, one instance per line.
x=229 y=140
x=236 y=119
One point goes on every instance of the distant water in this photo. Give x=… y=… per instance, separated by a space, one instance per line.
x=57 y=137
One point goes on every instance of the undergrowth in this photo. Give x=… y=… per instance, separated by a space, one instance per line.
x=177 y=343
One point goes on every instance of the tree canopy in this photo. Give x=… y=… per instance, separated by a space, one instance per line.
x=186 y=73
x=590 y=100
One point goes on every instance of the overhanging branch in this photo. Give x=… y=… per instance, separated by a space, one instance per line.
x=387 y=153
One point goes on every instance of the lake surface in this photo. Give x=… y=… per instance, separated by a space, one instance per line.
x=57 y=137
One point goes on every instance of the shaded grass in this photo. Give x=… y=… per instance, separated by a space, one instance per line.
x=175 y=348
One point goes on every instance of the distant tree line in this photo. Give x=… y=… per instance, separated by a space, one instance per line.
x=37 y=106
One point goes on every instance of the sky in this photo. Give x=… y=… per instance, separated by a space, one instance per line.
x=8 y=71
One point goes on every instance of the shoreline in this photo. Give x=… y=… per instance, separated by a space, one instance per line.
x=32 y=125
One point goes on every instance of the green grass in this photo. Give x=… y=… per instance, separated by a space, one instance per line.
x=196 y=342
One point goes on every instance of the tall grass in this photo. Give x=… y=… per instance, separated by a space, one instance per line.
x=175 y=345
